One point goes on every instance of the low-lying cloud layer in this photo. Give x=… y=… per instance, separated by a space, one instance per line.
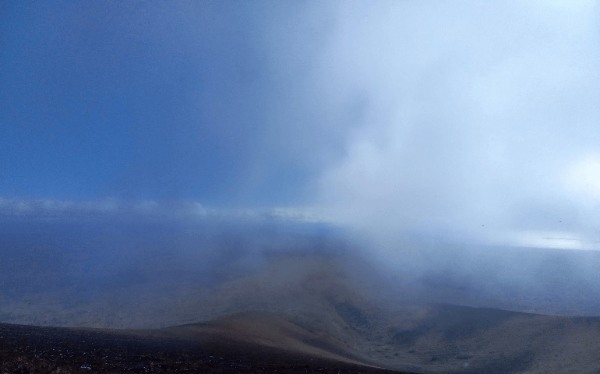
x=65 y=210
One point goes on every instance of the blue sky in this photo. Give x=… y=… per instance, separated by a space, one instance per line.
x=147 y=100
x=383 y=115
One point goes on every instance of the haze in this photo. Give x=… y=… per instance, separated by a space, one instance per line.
x=464 y=116
x=466 y=123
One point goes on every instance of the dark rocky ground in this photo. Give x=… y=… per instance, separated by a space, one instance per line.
x=27 y=349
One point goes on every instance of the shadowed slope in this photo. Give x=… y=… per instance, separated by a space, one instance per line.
x=27 y=349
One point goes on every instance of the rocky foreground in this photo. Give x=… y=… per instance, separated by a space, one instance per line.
x=27 y=349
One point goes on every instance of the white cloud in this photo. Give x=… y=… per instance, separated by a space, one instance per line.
x=544 y=240
x=582 y=178
x=473 y=111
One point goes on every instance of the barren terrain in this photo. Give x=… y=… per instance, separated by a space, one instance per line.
x=192 y=298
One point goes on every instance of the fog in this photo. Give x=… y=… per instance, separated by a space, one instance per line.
x=452 y=147
x=474 y=118
x=464 y=117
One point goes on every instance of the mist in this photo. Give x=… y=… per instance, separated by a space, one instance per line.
x=478 y=119
x=300 y=186
x=430 y=140
x=464 y=117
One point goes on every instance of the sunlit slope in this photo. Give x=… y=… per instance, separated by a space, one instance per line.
x=419 y=338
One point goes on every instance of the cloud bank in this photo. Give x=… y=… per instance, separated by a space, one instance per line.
x=66 y=210
x=468 y=116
